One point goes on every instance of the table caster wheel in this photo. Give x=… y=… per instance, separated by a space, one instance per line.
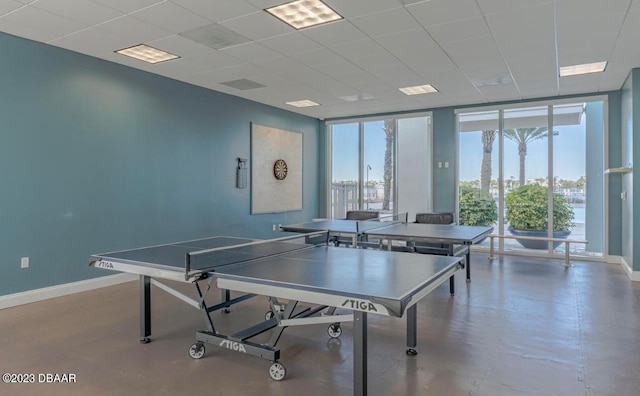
x=334 y=330
x=196 y=351
x=145 y=340
x=411 y=352
x=277 y=371
x=269 y=315
x=226 y=310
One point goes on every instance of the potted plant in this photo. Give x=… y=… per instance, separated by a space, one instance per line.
x=477 y=207
x=527 y=215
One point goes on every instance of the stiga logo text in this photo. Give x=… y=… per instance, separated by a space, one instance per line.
x=234 y=346
x=359 y=305
x=104 y=264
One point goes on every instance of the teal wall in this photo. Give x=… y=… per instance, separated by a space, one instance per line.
x=96 y=156
x=614 y=140
x=594 y=167
x=627 y=179
x=630 y=123
x=444 y=150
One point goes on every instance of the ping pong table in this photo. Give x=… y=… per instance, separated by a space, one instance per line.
x=360 y=232
x=359 y=281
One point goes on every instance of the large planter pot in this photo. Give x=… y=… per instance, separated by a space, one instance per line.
x=538 y=244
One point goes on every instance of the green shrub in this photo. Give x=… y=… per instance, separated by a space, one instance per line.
x=527 y=209
x=477 y=207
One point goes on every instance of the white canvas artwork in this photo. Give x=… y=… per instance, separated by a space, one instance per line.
x=276 y=170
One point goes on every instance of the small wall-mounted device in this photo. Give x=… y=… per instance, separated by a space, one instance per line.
x=241 y=173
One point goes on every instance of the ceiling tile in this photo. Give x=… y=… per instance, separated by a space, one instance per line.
x=216 y=60
x=137 y=31
x=459 y=30
x=180 y=46
x=218 y=10
x=290 y=43
x=386 y=22
x=358 y=51
x=410 y=41
x=334 y=33
x=46 y=25
x=7 y=6
x=436 y=12
x=318 y=57
x=258 y=25
x=354 y=8
x=128 y=6
x=497 y=6
x=170 y=17
x=85 y=11
x=92 y=42
x=251 y=52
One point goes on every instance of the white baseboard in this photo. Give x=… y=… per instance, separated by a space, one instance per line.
x=633 y=275
x=614 y=259
x=13 y=300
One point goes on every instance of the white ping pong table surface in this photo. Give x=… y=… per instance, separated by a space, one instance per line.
x=360 y=281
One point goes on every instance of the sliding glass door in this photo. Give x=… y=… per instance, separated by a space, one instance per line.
x=367 y=159
x=531 y=164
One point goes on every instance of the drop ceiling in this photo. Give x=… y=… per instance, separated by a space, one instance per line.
x=471 y=51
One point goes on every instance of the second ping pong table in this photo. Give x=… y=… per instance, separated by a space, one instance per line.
x=360 y=232
x=360 y=281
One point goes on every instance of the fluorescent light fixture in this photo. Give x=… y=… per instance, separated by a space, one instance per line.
x=418 y=89
x=303 y=103
x=583 y=69
x=304 y=13
x=147 y=54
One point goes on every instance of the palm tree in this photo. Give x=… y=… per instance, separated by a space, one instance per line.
x=488 y=136
x=524 y=136
x=389 y=131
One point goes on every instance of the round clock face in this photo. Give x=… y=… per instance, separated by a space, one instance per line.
x=280 y=169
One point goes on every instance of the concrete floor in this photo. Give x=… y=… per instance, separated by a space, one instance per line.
x=522 y=327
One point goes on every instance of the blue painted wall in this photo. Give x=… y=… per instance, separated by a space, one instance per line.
x=614 y=140
x=626 y=158
x=95 y=156
x=630 y=151
x=444 y=150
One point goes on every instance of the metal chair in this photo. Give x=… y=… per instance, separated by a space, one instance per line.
x=362 y=215
x=435 y=218
x=436 y=248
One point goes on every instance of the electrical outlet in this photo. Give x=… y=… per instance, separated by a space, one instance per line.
x=24 y=262
x=273 y=227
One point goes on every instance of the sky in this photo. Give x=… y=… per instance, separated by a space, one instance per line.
x=569 y=165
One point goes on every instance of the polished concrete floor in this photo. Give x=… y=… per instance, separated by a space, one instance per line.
x=522 y=327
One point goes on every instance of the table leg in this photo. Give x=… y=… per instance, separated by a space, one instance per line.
x=145 y=309
x=359 y=353
x=412 y=330
x=468 y=258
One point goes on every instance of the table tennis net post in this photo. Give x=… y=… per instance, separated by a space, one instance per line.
x=201 y=261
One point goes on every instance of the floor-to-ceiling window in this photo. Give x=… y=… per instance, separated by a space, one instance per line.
x=380 y=165
x=534 y=171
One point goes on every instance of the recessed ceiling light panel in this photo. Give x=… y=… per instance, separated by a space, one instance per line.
x=303 y=103
x=418 y=89
x=147 y=54
x=302 y=14
x=583 y=69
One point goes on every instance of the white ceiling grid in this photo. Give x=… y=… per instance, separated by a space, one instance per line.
x=472 y=51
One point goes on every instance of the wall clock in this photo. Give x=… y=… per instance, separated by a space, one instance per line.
x=280 y=169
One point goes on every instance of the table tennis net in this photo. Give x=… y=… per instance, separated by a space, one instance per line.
x=209 y=260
